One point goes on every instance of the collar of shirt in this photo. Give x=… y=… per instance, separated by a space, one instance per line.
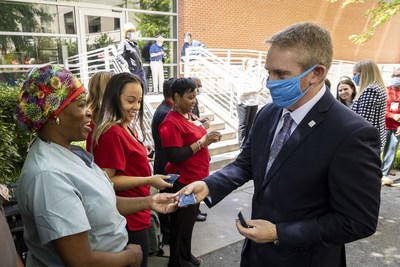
x=299 y=114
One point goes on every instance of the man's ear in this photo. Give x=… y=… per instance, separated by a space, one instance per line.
x=318 y=74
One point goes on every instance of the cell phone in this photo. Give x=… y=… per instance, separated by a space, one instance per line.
x=151 y=154
x=242 y=220
x=172 y=178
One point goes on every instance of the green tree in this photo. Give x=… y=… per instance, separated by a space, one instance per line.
x=378 y=15
x=151 y=25
x=102 y=41
x=20 y=17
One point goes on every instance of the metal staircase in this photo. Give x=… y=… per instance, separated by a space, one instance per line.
x=217 y=68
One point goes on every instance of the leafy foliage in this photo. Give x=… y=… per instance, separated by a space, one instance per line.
x=382 y=13
x=102 y=41
x=13 y=142
x=153 y=25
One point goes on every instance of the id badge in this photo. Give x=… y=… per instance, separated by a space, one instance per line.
x=394 y=106
x=197 y=123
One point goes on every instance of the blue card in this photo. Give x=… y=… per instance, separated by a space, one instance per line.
x=186 y=200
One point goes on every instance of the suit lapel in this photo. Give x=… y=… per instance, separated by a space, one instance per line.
x=310 y=122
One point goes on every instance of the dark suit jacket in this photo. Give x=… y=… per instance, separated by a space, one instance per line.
x=322 y=191
x=160 y=159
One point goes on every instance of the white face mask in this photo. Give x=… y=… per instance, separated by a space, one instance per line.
x=395 y=81
x=131 y=35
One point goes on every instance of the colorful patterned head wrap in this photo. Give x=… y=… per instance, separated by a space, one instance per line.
x=44 y=94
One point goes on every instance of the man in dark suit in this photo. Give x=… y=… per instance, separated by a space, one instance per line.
x=320 y=188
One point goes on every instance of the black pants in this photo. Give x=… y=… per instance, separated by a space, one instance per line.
x=246 y=115
x=140 y=238
x=181 y=229
x=141 y=74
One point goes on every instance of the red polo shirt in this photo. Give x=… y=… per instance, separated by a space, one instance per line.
x=118 y=150
x=176 y=131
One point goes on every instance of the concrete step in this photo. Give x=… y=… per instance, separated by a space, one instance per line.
x=228 y=133
x=216 y=125
x=223 y=147
x=221 y=160
x=207 y=114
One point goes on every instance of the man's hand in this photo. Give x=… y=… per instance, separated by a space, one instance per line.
x=164 y=202
x=199 y=188
x=136 y=254
x=396 y=117
x=260 y=231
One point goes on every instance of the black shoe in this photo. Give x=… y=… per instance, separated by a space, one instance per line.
x=202 y=213
x=200 y=218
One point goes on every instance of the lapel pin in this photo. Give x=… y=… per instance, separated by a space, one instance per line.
x=311 y=123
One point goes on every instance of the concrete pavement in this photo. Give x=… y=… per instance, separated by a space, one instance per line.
x=217 y=242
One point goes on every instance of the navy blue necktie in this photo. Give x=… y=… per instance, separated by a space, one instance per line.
x=280 y=140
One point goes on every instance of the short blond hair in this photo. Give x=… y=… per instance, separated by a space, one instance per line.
x=312 y=43
x=128 y=27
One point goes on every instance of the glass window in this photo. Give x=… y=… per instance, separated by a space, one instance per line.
x=154 y=5
x=37 y=18
x=150 y=25
x=36 y=50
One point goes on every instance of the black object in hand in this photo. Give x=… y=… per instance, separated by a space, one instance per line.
x=242 y=220
x=151 y=154
x=172 y=178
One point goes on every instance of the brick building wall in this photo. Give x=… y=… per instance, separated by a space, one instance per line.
x=238 y=24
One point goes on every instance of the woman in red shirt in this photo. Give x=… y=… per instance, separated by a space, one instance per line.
x=118 y=150
x=185 y=142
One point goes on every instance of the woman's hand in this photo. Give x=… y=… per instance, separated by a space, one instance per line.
x=136 y=254
x=164 y=202
x=158 y=181
x=210 y=138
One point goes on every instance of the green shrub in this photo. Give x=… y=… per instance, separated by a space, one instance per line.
x=13 y=142
x=396 y=163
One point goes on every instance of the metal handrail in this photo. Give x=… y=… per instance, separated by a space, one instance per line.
x=220 y=71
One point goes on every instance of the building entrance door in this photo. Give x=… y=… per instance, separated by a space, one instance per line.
x=99 y=28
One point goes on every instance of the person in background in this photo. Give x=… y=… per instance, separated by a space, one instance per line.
x=160 y=159
x=346 y=92
x=156 y=64
x=370 y=101
x=328 y=83
x=247 y=93
x=201 y=216
x=120 y=152
x=97 y=86
x=70 y=212
x=185 y=142
x=146 y=57
x=188 y=42
x=8 y=253
x=128 y=54
x=311 y=193
x=196 y=109
x=392 y=120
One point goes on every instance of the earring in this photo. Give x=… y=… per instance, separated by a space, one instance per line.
x=57 y=121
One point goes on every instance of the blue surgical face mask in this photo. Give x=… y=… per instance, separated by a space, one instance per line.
x=131 y=35
x=356 y=79
x=285 y=93
x=395 y=81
